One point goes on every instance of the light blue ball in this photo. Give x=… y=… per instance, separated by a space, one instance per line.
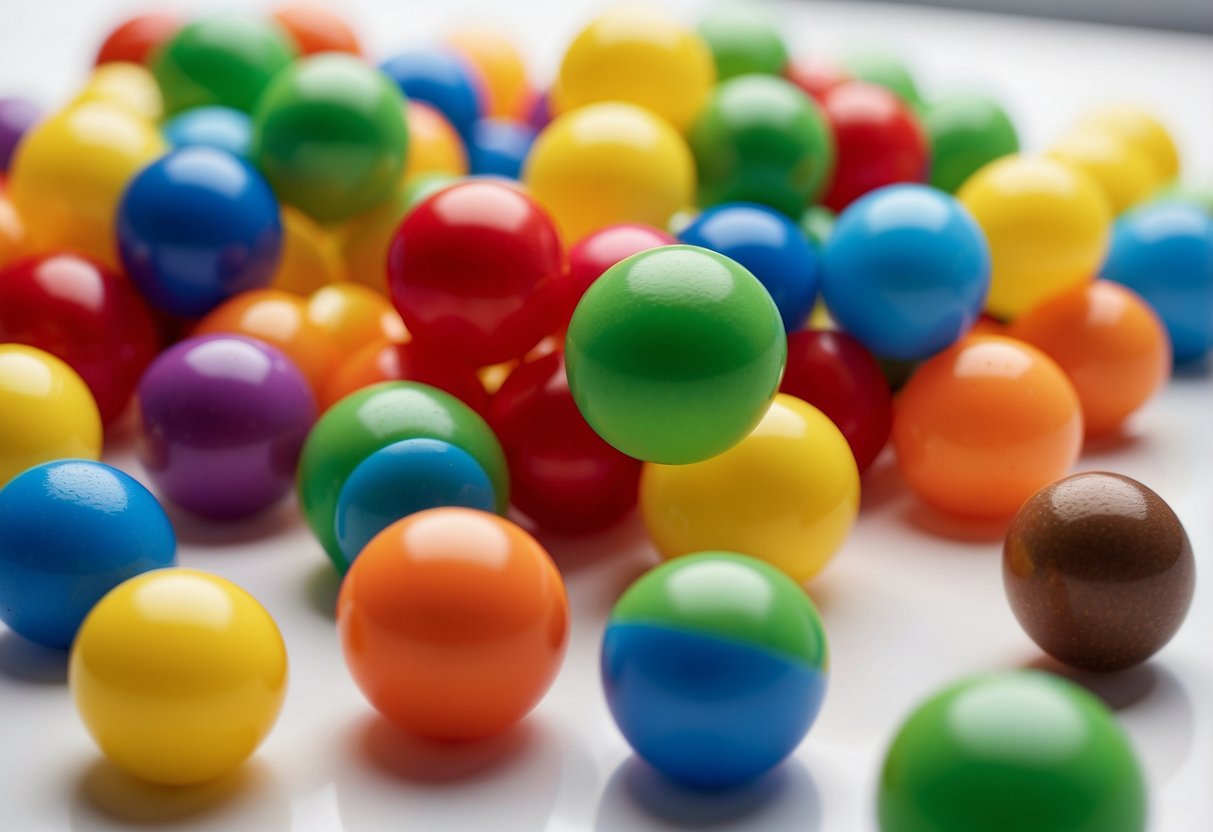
x=222 y=128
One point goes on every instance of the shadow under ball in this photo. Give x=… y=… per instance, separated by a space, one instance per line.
x=1098 y=570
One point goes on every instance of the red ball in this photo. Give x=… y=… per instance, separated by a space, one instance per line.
x=383 y=360
x=879 y=142
x=562 y=474
x=135 y=39
x=598 y=251
x=836 y=374
x=816 y=77
x=84 y=313
x=478 y=269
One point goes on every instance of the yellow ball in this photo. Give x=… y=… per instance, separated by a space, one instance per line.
x=610 y=163
x=434 y=145
x=47 y=412
x=641 y=55
x=1047 y=225
x=310 y=259
x=501 y=67
x=1124 y=174
x=366 y=238
x=127 y=85
x=788 y=493
x=70 y=171
x=178 y=675
x=1142 y=129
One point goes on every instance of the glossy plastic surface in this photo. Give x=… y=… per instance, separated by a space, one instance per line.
x=223 y=128
x=884 y=69
x=135 y=39
x=441 y=78
x=17 y=116
x=1142 y=129
x=354 y=316
x=743 y=40
x=310 y=258
x=130 y=86
x=499 y=147
x=966 y=132
x=434 y=145
x=594 y=253
x=385 y=360
x=13 y=240
x=815 y=75
x=507 y=91
x=1123 y=172
x=316 y=29
x=364 y=239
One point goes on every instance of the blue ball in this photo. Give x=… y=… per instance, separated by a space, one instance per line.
x=70 y=531
x=441 y=79
x=219 y=127
x=402 y=479
x=1164 y=252
x=771 y=246
x=196 y=227
x=906 y=271
x=498 y=147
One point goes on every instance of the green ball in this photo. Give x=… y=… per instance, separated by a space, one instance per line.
x=966 y=131
x=1009 y=752
x=330 y=136
x=674 y=354
x=885 y=70
x=373 y=418
x=743 y=40
x=817 y=222
x=1190 y=194
x=761 y=139
x=226 y=60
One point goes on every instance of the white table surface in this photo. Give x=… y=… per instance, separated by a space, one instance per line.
x=911 y=603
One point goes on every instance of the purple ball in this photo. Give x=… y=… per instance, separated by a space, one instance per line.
x=17 y=115
x=222 y=420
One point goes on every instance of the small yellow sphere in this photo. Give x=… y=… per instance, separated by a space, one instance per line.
x=178 y=675
x=127 y=85
x=788 y=493
x=1124 y=174
x=434 y=145
x=1141 y=128
x=310 y=259
x=501 y=67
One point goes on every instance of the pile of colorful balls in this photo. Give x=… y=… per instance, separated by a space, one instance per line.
x=695 y=275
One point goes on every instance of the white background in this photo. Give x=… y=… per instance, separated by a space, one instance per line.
x=912 y=602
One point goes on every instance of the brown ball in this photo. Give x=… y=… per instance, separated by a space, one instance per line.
x=1098 y=570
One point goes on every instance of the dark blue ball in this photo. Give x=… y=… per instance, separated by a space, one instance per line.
x=441 y=79
x=498 y=147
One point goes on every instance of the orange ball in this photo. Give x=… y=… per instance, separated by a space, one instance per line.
x=315 y=29
x=434 y=145
x=385 y=360
x=12 y=232
x=984 y=424
x=1109 y=342
x=354 y=316
x=310 y=259
x=501 y=66
x=454 y=623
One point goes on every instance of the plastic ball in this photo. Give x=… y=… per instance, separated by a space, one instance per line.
x=506 y=90
x=595 y=253
x=980 y=427
x=373 y=418
x=441 y=78
x=816 y=76
x=434 y=145
x=365 y=238
x=196 y=227
x=354 y=316
x=310 y=258
x=13 y=241
x=1012 y=750
x=385 y=360
x=1164 y=252
x=771 y=246
x=17 y=116
x=330 y=135
x=314 y=29
x=225 y=59
x=222 y=421
x=760 y=139
x=135 y=40
x=1047 y=225
x=222 y=128
x=1109 y=342
x=610 y=163
x=788 y=494
x=884 y=69
x=906 y=271
x=454 y=623
x=1121 y=170
x=127 y=85
x=70 y=531
x=879 y=142
x=499 y=147
x=743 y=40
x=46 y=411
x=86 y=314
x=1142 y=129
x=69 y=172
x=714 y=668
x=966 y=132
x=178 y=675
x=835 y=373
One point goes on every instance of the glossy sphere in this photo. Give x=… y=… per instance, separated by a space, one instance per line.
x=760 y=139
x=477 y=269
x=499 y=147
x=17 y=116
x=507 y=92
x=788 y=494
x=835 y=373
x=879 y=141
x=222 y=419
x=562 y=474
x=178 y=675
x=127 y=85
x=1164 y=252
x=641 y=55
x=674 y=354
x=196 y=227
x=227 y=60
x=982 y=426
x=329 y=133
x=1124 y=173
x=609 y=163
x=454 y=623
x=714 y=667
x=966 y=132
x=315 y=29
x=364 y=240
x=906 y=271
x=771 y=246
x=220 y=127
x=69 y=173
x=354 y=316
x=742 y=41
x=310 y=259
x=1047 y=225
x=1008 y=751
x=70 y=531
x=1142 y=129
x=597 y=252
x=46 y=411
x=1109 y=342
x=84 y=313
x=12 y=231
x=135 y=39
x=374 y=418
x=815 y=76
x=884 y=69
x=402 y=479
x=434 y=146
x=385 y=360
x=441 y=78
x=1188 y=193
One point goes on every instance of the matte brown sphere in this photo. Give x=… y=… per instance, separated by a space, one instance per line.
x=1098 y=570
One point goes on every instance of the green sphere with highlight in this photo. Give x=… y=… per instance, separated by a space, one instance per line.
x=966 y=131
x=674 y=354
x=743 y=40
x=885 y=70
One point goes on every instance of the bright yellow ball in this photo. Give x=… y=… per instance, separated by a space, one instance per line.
x=434 y=145
x=70 y=171
x=610 y=163
x=178 y=675
x=310 y=259
x=1141 y=128
x=1124 y=174
x=1047 y=225
x=641 y=55
x=501 y=67
x=127 y=85
x=788 y=493
x=47 y=412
